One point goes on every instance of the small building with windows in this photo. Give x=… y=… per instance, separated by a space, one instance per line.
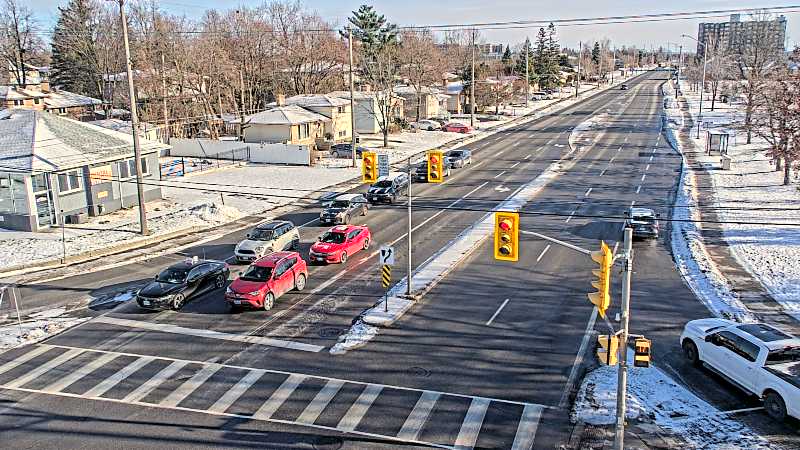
x=55 y=169
x=285 y=124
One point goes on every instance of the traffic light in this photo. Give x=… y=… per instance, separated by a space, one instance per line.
x=608 y=352
x=602 y=298
x=435 y=166
x=369 y=167
x=641 y=357
x=506 y=236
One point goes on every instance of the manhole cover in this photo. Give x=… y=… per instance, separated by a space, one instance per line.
x=329 y=332
x=328 y=443
x=419 y=372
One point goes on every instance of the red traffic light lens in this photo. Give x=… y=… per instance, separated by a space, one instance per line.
x=505 y=224
x=434 y=159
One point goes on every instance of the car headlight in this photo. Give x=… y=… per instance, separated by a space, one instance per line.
x=259 y=249
x=228 y=290
x=254 y=293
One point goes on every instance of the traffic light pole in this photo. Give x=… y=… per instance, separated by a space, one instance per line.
x=622 y=374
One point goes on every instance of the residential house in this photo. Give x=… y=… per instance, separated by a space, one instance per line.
x=55 y=169
x=41 y=97
x=431 y=102
x=338 y=128
x=285 y=124
x=457 y=97
x=33 y=74
x=367 y=113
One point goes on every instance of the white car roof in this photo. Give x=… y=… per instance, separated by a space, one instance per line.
x=391 y=176
x=346 y=197
x=642 y=212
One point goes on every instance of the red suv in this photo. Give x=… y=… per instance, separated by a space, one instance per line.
x=456 y=127
x=339 y=242
x=267 y=279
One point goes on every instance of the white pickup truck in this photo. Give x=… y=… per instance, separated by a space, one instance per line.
x=758 y=358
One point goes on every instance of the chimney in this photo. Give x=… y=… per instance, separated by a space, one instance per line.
x=45 y=85
x=280 y=99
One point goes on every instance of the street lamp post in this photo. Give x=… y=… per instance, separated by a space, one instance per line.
x=702 y=83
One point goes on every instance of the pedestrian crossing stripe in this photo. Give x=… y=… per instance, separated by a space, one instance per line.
x=523 y=424
x=386 y=275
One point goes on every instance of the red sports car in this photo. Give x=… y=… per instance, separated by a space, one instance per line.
x=456 y=127
x=340 y=242
x=267 y=279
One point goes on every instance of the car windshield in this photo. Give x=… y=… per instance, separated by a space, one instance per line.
x=455 y=154
x=261 y=235
x=333 y=238
x=383 y=184
x=172 y=275
x=257 y=273
x=784 y=355
x=340 y=204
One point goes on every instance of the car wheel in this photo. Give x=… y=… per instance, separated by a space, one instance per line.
x=177 y=302
x=393 y=199
x=300 y=282
x=343 y=258
x=269 y=301
x=219 y=282
x=335 y=154
x=690 y=351
x=366 y=243
x=296 y=244
x=347 y=218
x=775 y=406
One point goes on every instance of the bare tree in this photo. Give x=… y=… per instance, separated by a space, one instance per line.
x=422 y=63
x=719 y=68
x=18 y=40
x=776 y=119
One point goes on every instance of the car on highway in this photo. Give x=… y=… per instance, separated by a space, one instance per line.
x=456 y=127
x=339 y=243
x=343 y=208
x=345 y=150
x=266 y=238
x=420 y=172
x=388 y=188
x=757 y=358
x=425 y=124
x=644 y=222
x=178 y=283
x=458 y=158
x=623 y=87
x=266 y=280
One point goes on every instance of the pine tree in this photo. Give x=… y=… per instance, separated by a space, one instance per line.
x=506 y=59
x=596 y=53
x=372 y=29
x=542 y=57
x=553 y=73
x=75 y=65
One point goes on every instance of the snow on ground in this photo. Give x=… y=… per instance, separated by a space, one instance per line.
x=359 y=335
x=35 y=327
x=654 y=397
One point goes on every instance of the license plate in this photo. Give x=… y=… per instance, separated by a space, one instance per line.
x=374 y=198
x=146 y=302
x=237 y=302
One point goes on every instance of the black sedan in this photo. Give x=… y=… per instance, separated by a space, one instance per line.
x=175 y=285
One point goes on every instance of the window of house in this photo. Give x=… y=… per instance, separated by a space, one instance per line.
x=305 y=130
x=122 y=168
x=145 y=170
x=19 y=102
x=36 y=101
x=69 y=181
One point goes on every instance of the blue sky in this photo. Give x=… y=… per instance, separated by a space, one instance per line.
x=425 y=12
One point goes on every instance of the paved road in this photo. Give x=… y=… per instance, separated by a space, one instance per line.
x=458 y=371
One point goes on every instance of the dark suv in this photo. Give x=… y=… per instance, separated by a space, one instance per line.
x=343 y=208
x=388 y=188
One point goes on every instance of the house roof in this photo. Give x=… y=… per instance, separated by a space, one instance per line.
x=65 y=99
x=311 y=100
x=361 y=95
x=123 y=126
x=38 y=141
x=285 y=115
x=411 y=90
x=454 y=87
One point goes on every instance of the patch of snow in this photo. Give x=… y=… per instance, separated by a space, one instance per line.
x=29 y=332
x=358 y=335
x=387 y=311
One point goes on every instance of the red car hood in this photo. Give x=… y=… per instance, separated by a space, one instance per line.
x=243 y=286
x=324 y=247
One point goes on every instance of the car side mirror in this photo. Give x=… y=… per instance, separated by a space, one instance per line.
x=711 y=338
x=239 y=273
x=155 y=277
x=247 y=235
x=319 y=238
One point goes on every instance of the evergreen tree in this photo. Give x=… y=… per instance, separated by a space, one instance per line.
x=596 y=53
x=506 y=60
x=75 y=65
x=520 y=66
x=372 y=30
x=542 y=57
x=553 y=70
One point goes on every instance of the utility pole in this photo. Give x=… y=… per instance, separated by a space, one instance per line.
x=527 y=77
x=472 y=86
x=613 y=64
x=600 y=68
x=408 y=268
x=241 y=106
x=578 y=77
x=678 y=81
x=702 y=89
x=622 y=374
x=164 y=98
x=137 y=153
x=352 y=98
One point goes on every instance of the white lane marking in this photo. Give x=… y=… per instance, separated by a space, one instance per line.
x=23 y=359
x=190 y=385
x=647 y=168
x=418 y=417
x=468 y=434
x=174 y=329
x=610 y=161
x=150 y=385
x=588 y=191
x=638 y=188
x=654 y=150
x=633 y=202
x=84 y=370
x=489 y=322
x=526 y=430
x=603 y=172
x=309 y=222
x=236 y=391
x=321 y=400
x=515 y=144
x=527 y=156
x=587 y=334
x=115 y=379
x=541 y=255
x=515 y=164
x=500 y=174
x=60 y=359
x=620 y=147
x=279 y=397
x=570 y=216
x=476 y=165
x=651 y=158
x=499 y=153
x=358 y=409
x=643 y=176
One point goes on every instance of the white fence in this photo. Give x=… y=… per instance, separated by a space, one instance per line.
x=280 y=154
x=260 y=153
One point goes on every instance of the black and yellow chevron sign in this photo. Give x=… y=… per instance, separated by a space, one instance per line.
x=386 y=275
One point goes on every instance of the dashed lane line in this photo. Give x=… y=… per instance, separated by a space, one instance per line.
x=541 y=255
x=489 y=322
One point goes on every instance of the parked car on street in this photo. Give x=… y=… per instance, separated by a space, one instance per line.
x=440 y=120
x=388 y=188
x=623 y=87
x=343 y=208
x=755 y=357
x=267 y=279
x=540 y=95
x=456 y=127
x=180 y=282
x=266 y=238
x=340 y=242
x=429 y=125
x=644 y=222
x=421 y=171
x=345 y=150
x=458 y=158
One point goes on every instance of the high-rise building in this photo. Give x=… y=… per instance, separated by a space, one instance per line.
x=737 y=35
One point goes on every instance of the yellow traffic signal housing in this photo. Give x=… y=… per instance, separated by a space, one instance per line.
x=506 y=236
x=608 y=352
x=369 y=167
x=602 y=298
x=641 y=357
x=435 y=166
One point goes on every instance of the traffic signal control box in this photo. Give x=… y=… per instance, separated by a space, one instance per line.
x=369 y=167
x=435 y=166
x=608 y=351
x=641 y=356
x=506 y=236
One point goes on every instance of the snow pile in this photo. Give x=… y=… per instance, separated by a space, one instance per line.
x=654 y=397
x=44 y=324
x=358 y=336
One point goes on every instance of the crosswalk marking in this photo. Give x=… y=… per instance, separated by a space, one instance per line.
x=526 y=430
x=84 y=370
x=35 y=373
x=149 y=385
x=418 y=417
x=22 y=359
x=115 y=379
x=190 y=385
x=236 y=391
x=321 y=400
x=356 y=412
x=468 y=434
x=279 y=397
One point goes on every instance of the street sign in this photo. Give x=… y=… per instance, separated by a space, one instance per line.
x=386 y=255
x=383 y=164
x=386 y=276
